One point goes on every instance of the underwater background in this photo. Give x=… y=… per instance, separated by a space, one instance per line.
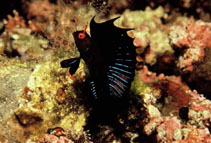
x=169 y=99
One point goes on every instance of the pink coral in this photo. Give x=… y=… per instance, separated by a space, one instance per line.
x=192 y=34
x=197 y=102
x=148 y=76
x=152 y=124
x=201 y=107
x=17 y=21
x=54 y=139
x=141 y=39
x=59 y=135
x=195 y=36
x=196 y=136
x=42 y=10
x=169 y=129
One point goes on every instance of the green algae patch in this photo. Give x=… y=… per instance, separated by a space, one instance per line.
x=139 y=87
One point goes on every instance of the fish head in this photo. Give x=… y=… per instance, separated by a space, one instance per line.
x=82 y=41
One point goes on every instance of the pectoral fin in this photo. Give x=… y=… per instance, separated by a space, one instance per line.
x=73 y=64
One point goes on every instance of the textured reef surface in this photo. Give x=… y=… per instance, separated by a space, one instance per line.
x=169 y=99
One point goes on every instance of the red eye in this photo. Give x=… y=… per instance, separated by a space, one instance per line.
x=81 y=35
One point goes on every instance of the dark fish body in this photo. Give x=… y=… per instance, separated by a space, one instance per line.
x=111 y=58
x=73 y=63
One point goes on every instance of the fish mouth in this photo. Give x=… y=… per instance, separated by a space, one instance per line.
x=75 y=34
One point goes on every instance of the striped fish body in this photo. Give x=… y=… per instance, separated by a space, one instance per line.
x=111 y=58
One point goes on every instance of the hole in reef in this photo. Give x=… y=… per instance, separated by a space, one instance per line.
x=12 y=54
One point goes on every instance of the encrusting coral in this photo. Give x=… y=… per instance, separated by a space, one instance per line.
x=149 y=31
x=192 y=37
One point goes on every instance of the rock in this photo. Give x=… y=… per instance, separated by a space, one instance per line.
x=27 y=117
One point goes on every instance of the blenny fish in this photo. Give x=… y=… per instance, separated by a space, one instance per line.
x=110 y=57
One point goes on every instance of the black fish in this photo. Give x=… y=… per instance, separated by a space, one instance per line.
x=111 y=58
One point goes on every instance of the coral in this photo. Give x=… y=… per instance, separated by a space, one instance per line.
x=191 y=40
x=194 y=37
x=168 y=100
x=18 y=39
x=150 y=127
x=41 y=94
x=55 y=139
x=58 y=135
x=39 y=33
x=33 y=46
x=149 y=77
x=14 y=22
x=41 y=10
x=141 y=38
x=181 y=110
x=196 y=135
x=200 y=77
x=149 y=31
x=40 y=86
x=42 y=83
x=169 y=130
x=200 y=112
x=120 y=5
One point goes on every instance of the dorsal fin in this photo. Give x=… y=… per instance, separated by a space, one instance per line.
x=100 y=31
